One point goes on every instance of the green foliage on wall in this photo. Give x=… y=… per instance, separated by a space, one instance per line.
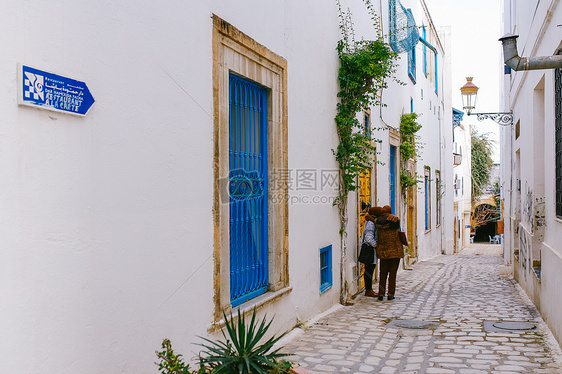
x=409 y=148
x=481 y=162
x=365 y=67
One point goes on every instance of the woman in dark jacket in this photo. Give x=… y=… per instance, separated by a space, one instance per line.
x=389 y=250
x=370 y=237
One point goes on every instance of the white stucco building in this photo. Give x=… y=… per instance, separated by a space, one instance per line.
x=531 y=175
x=462 y=179
x=426 y=74
x=120 y=227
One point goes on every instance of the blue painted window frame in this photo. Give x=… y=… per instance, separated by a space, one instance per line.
x=326 y=279
x=367 y=124
x=436 y=79
x=248 y=190
x=412 y=65
x=427 y=188
x=425 y=72
x=437 y=197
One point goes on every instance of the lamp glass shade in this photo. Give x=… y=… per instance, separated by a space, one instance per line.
x=468 y=93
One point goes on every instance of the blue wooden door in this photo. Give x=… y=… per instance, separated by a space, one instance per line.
x=393 y=178
x=247 y=190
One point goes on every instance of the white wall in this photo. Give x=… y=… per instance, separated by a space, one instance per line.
x=107 y=226
x=531 y=222
x=106 y=220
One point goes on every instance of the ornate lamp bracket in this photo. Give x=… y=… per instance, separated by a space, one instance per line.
x=501 y=118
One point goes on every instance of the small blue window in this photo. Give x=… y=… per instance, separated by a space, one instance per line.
x=325 y=268
x=412 y=65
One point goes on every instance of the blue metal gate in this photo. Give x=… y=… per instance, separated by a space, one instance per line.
x=393 y=178
x=247 y=190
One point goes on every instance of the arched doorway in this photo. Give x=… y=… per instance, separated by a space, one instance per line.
x=484 y=219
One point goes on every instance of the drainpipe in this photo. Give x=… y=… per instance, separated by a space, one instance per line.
x=511 y=58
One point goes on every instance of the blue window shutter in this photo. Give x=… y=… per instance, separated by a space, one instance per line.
x=325 y=268
x=247 y=190
x=412 y=65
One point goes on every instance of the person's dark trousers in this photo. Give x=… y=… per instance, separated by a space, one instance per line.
x=389 y=268
x=369 y=271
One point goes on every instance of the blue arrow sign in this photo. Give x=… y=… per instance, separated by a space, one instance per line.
x=44 y=90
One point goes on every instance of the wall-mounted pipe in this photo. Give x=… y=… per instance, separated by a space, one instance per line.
x=512 y=59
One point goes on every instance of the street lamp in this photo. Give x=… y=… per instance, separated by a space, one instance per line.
x=468 y=94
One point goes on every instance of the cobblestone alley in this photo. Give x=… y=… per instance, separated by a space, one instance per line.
x=451 y=314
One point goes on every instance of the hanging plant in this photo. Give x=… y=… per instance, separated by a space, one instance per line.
x=407 y=180
x=365 y=67
x=409 y=126
x=409 y=148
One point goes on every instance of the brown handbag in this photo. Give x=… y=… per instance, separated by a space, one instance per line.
x=403 y=238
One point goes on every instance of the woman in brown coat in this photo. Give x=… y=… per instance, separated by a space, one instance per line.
x=389 y=250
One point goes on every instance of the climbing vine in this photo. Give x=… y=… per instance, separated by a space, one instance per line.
x=365 y=67
x=409 y=148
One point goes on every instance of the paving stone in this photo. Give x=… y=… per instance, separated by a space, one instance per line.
x=510 y=368
x=457 y=293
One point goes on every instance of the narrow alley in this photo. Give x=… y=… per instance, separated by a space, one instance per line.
x=452 y=314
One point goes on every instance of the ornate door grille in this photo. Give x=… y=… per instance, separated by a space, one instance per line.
x=248 y=190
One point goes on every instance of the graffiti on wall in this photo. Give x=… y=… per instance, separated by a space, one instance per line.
x=525 y=247
x=540 y=219
x=527 y=204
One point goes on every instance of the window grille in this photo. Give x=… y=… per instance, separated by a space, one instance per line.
x=247 y=190
x=325 y=268
x=404 y=34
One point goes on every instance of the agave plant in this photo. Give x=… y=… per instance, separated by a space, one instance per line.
x=241 y=351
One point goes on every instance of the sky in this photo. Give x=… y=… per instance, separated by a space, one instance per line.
x=475 y=52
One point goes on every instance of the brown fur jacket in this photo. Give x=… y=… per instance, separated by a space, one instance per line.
x=388 y=245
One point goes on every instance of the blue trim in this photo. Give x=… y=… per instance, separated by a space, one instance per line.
x=326 y=279
x=412 y=65
x=393 y=178
x=437 y=193
x=426 y=184
x=248 y=190
x=424 y=53
x=436 y=79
